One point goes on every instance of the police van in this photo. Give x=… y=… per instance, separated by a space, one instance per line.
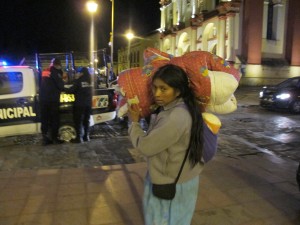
x=19 y=103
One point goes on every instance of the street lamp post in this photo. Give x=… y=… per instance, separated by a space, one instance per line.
x=129 y=36
x=92 y=8
x=112 y=36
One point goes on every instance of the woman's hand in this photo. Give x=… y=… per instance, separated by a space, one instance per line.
x=134 y=113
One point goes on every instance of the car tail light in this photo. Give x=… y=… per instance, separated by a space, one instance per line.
x=115 y=100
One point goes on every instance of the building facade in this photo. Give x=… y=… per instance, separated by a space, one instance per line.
x=132 y=55
x=261 y=37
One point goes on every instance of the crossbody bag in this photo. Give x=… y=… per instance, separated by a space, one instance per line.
x=168 y=191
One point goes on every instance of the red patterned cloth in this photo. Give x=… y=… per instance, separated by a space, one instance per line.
x=135 y=83
x=197 y=65
x=135 y=89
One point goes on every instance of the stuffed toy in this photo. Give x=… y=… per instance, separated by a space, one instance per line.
x=212 y=79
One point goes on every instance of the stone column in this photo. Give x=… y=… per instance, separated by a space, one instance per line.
x=230 y=56
x=194 y=4
x=183 y=10
x=193 y=39
x=293 y=33
x=175 y=16
x=253 y=27
x=278 y=17
x=173 y=43
x=163 y=18
x=178 y=3
x=221 y=37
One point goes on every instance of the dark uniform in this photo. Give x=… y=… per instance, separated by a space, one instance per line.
x=51 y=87
x=82 y=89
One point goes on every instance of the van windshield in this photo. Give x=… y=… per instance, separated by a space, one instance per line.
x=11 y=82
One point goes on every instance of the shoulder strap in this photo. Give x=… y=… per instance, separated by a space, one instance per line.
x=181 y=168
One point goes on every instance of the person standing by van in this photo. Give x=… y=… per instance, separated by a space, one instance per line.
x=82 y=89
x=51 y=87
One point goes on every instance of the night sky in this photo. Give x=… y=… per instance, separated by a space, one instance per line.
x=30 y=26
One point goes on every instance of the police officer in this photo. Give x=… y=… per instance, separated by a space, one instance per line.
x=51 y=87
x=82 y=89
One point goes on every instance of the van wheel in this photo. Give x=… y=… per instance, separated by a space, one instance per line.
x=67 y=133
x=295 y=107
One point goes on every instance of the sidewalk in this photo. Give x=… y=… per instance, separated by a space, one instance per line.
x=250 y=190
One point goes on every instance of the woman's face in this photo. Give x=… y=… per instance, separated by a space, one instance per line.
x=163 y=93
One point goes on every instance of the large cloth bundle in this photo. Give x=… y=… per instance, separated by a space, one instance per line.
x=134 y=89
x=212 y=79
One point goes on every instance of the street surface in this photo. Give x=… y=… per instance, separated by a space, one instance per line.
x=250 y=130
x=254 y=130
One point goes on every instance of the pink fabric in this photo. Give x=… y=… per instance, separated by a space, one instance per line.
x=135 y=84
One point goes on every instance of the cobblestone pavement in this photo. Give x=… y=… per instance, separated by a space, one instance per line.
x=109 y=145
x=254 y=130
x=249 y=182
x=248 y=131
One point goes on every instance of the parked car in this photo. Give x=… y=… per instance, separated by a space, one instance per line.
x=285 y=95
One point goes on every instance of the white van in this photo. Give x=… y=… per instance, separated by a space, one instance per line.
x=19 y=104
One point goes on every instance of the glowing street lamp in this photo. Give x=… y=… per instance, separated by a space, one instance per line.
x=92 y=6
x=129 y=35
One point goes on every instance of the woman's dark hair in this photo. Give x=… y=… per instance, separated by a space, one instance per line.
x=177 y=78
